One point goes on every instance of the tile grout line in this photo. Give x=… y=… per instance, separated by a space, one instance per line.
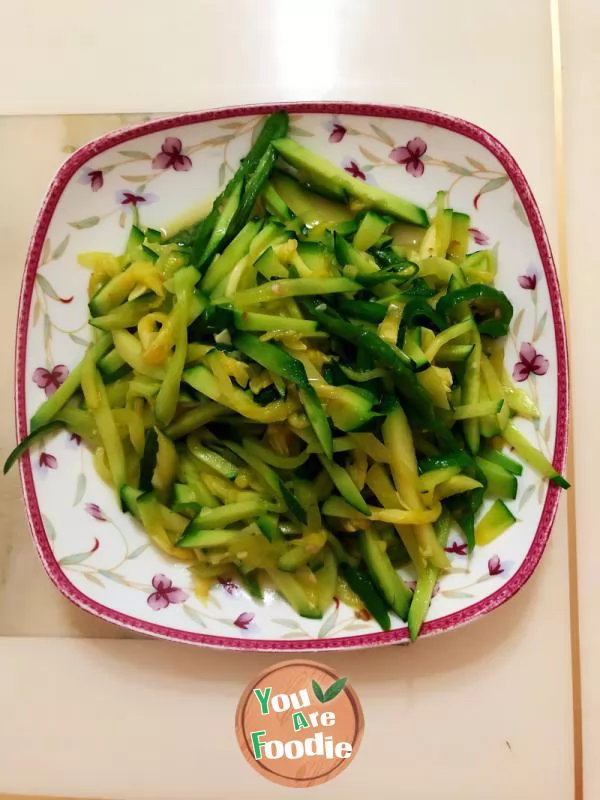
x=571 y=508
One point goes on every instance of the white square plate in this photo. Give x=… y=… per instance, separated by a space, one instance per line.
x=99 y=557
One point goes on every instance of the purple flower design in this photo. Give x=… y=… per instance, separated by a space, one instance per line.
x=95 y=511
x=244 y=619
x=530 y=361
x=93 y=178
x=171 y=156
x=48 y=461
x=337 y=133
x=495 y=566
x=479 y=237
x=230 y=586
x=50 y=381
x=165 y=593
x=354 y=170
x=411 y=156
x=529 y=280
x=127 y=198
x=459 y=548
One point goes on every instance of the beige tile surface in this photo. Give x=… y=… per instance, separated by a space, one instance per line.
x=581 y=59
x=104 y=718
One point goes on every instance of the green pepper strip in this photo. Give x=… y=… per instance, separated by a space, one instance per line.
x=361 y=309
x=364 y=587
x=252 y=190
x=391 y=358
x=418 y=312
x=494 y=303
x=397 y=273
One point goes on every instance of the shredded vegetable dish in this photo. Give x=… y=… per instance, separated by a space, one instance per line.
x=306 y=389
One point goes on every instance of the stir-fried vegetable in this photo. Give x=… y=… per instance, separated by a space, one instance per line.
x=305 y=389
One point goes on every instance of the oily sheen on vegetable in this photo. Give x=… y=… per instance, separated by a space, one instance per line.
x=305 y=390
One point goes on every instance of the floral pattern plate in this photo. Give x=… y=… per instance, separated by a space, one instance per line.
x=99 y=557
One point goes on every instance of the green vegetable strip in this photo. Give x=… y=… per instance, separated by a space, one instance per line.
x=109 y=434
x=34 y=436
x=222 y=266
x=281 y=363
x=426 y=581
x=325 y=172
x=167 y=397
x=195 y=418
x=48 y=410
x=364 y=587
x=534 y=457
x=397 y=438
x=250 y=321
x=252 y=190
x=295 y=287
x=275 y=126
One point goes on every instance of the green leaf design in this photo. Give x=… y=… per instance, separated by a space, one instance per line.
x=293 y=130
x=138 y=154
x=138 y=551
x=47 y=330
x=135 y=178
x=492 y=185
x=218 y=140
x=526 y=495
x=476 y=164
x=88 y=222
x=78 y=340
x=516 y=326
x=288 y=623
x=456 y=594
x=520 y=212
x=45 y=256
x=80 y=488
x=328 y=623
x=546 y=431
x=318 y=692
x=335 y=689
x=369 y=155
x=49 y=528
x=47 y=287
x=539 y=328
x=194 y=616
x=456 y=169
x=383 y=135
x=93 y=578
x=114 y=576
x=76 y=558
x=57 y=253
x=37 y=310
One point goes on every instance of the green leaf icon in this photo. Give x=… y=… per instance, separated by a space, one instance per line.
x=335 y=688
x=318 y=691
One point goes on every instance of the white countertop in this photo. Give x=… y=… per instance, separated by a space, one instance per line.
x=81 y=716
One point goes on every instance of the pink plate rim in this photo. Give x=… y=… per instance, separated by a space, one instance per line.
x=118 y=137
